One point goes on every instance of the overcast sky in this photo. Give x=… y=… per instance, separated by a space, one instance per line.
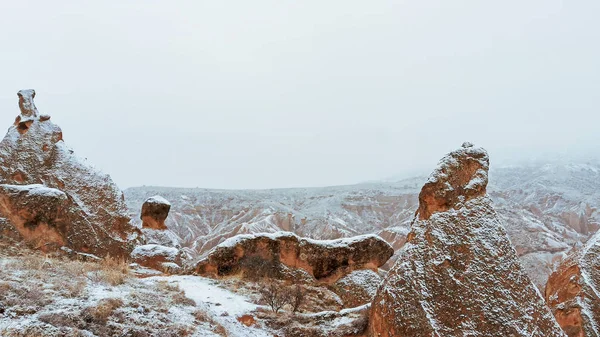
x=262 y=94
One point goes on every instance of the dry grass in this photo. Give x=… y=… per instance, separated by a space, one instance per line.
x=100 y=312
x=33 y=289
x=110 y=270
x=203 y=317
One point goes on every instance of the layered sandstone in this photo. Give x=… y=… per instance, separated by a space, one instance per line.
x=573 y=291
x=324 y=260
x=458 y=274
x=52 y=197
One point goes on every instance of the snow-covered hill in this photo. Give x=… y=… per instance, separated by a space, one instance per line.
x=546 y=208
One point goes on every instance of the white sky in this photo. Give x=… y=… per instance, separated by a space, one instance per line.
x=261 y=94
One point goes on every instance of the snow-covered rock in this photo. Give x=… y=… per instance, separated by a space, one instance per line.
x=154 y=212
x=158 y=257
x=357 y=288
x=573 y=291
x=325 y=260
x=458 y=274
x=92 y=216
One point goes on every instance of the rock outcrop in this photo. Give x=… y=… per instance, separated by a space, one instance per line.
x=357 y=288
x=53 y=198
x=166 y=259
x=325 y=260
x=154 y=212
x=458 y=274
x=573 y=291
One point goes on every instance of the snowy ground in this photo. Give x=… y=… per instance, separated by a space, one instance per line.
x=221 y=304
x=52 y=297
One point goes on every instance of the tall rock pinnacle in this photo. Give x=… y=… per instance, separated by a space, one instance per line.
x=458 y=274
x=54 y=199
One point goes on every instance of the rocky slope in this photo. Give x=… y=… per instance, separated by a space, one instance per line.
x=51 y=198
x=573 y=293
x=546 y=208
x=458 y=274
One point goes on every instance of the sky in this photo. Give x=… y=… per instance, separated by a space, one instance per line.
x=267 y=94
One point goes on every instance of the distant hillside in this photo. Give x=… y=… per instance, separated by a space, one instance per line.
x=547 y=208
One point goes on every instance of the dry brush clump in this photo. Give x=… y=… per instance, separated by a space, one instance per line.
x=112 y=271
x=201 y=316
x=277 y=296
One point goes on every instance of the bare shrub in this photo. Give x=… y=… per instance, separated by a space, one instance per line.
x=296 y=297
x=31 y=331
x=59 y=319
x=100 y=313
x=167 y=286
x=203 y=316
x=110 y=270
x=115 y=270
x=34 y=261
x=274 y=296
x=180 y=298
x=74 y=288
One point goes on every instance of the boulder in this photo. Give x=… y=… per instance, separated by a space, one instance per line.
x=154 y=212
x=325 y=260
x=81 y=208
x=572 y=291
x=357 y=288
x=166 y=259
x=458 y=274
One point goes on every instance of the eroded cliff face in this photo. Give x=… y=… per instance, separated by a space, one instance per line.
x=324 y=260
x=458 y=274
x=572 y=291
x=86 y=210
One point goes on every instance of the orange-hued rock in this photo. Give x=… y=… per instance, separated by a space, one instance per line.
x=459 y=177
x=458 y=274
x=154 y=212
x=325 y=260
x=247 y=320
x=85 y=209
x=572 y=291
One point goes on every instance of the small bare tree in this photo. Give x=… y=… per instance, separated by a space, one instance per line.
x=275 y=296
x=296 y=297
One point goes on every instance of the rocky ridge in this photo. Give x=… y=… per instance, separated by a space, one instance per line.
x=326 y=261
x=546 y=207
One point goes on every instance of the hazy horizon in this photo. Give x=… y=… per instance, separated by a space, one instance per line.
x=275 y=94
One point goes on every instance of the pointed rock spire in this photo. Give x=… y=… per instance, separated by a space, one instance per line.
x=459 y=275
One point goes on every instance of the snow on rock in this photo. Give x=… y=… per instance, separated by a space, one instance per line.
x=357 y=288
x=154 y=212
x=573 y=291
x=458 y=274
x=460 y=176
x=325 y=260
x=546 y=208
x=157 y=257
x=93 y=218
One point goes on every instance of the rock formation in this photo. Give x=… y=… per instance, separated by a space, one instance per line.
x=573 y=291
x=357 y=288
x=53 y=198
x=154 y=212
x=167 y=259
x=325 y=260
x=458 y=274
